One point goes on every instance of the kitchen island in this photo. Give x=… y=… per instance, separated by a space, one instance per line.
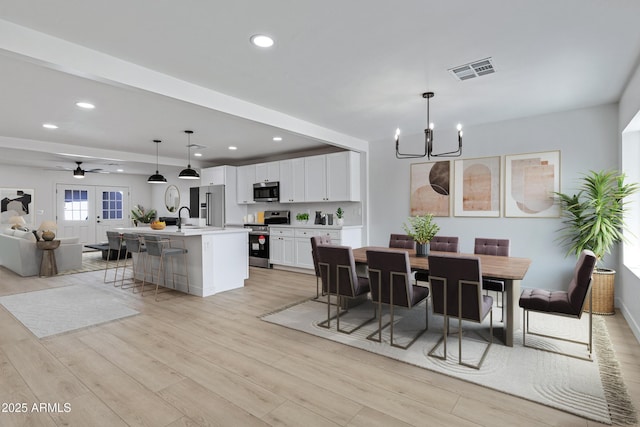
x=217 y=260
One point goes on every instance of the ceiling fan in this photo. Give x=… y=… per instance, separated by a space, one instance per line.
x=78 y=172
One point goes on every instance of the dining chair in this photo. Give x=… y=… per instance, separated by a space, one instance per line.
x=115 y=247
x=315 y=242
x=401 y=241
x=440 y=244
x=161 y=248
x=339 y=278
x=390 y=282
x=496 y=247
x=456 y=292
x=135 y=250
x=569 y=303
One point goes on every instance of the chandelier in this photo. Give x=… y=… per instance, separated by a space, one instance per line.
x=428 y=139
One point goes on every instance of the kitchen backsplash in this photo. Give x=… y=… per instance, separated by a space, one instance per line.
x=352 y=210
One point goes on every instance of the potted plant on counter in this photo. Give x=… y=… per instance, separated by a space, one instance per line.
x=422 y=229
x=141 y=216
x=302 y=218
x=594 y=219
x=339 y=216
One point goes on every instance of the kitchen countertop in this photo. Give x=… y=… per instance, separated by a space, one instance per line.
x=172 y=230
x=327 y=227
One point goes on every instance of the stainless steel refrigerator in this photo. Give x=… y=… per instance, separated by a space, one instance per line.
x=212 y=205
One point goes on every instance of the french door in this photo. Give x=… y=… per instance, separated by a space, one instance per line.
x=89 y=211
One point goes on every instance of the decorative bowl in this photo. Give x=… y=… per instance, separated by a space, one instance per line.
x=158 y=225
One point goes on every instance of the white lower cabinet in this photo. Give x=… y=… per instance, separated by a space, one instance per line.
x=291 y=246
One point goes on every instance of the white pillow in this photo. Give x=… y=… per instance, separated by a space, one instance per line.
x=27 y=235
x=9 y=231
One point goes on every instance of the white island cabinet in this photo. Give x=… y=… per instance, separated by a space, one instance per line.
x=217 y=261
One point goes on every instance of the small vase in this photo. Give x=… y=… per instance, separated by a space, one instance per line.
x=48 y=235
x=422 y=249
x=340 y=221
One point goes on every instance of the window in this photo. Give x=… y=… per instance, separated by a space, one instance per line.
x=76 y=205
x=631 y=167
x=112 y=204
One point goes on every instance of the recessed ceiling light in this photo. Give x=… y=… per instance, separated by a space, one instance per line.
x=197 y=154
x=49 y=126
x=86 y=105
x=232 y=147
x=277 y=138
x=119 y=170
x=261 y=40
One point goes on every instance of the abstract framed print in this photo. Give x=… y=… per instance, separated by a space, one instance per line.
x=530 y=182
x=477 y=187
x=430 y=188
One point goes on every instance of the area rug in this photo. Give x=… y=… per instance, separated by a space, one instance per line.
x=54 y=311
x=561 y=382
x=92 y=261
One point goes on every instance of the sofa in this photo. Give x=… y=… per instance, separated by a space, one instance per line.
x=19 y=253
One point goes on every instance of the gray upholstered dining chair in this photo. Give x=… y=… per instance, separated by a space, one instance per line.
x=116 y=246
x=496 y=247
x=456 y=292
x=161 y=248
x=569 y=303
x=390 y=282
x=440 y=244
x=401 y=241
x=315 y=242
x=339 y=278
x=136 y=251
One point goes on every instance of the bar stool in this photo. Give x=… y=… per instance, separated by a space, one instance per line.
x=134 y=246
x=115 y=244
x=161 y=248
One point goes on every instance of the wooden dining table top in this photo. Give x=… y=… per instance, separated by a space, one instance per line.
x=499 y=267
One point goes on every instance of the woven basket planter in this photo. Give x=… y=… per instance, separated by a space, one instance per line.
x=603 y=287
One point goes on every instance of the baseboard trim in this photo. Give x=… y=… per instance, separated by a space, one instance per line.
x=635 y=327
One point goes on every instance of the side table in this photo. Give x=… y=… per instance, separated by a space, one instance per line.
x=48 y=266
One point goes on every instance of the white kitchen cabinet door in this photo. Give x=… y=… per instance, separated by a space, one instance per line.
x=267 y=172
x=315 y=178
x=292 y=180
x=303 y=253
x=246 y=176
x=343 y=177
x=213 y=176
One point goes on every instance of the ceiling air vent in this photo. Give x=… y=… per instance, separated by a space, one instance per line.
x=473 y=69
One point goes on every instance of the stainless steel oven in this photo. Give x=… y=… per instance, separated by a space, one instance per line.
x=258 y=245
x=259 y=237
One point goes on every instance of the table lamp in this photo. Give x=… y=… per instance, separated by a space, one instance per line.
x=17 y=222
x=47 y=228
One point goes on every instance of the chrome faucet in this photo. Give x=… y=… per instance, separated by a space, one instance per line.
x=180 y=217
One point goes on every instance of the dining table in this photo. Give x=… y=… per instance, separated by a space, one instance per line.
x=510 y=270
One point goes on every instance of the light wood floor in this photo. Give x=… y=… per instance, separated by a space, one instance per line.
x=187 y=361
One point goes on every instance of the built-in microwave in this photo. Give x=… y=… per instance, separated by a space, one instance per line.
x=266 y=192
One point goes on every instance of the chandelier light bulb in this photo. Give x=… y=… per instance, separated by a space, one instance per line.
x=397 y=134
x=431 y=125
x=459 y=127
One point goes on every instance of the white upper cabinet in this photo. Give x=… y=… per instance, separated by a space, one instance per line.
x=267 y=172
x=315 y=178
x=292 y=180
x=343 y=176
x=246 y=176
x=213 y=176
x=333 y=177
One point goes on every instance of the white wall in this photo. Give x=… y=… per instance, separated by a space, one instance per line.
x=587 y=139
x=44 y=184
x=627 y=283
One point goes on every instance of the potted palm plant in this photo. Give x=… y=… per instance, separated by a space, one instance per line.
x=594 y=219
x=422 y=229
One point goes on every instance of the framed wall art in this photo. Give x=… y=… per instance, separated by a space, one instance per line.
x=430 y=188
x=17 y=202
x=477 y=187
x=530 y=181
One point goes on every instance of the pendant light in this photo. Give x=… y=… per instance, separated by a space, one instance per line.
x=157 y=178
x=78 y=172
x=188 y=173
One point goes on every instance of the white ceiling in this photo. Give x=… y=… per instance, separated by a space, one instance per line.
x=341 y=72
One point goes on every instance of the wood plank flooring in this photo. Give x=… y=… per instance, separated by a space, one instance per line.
x=189 y=361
